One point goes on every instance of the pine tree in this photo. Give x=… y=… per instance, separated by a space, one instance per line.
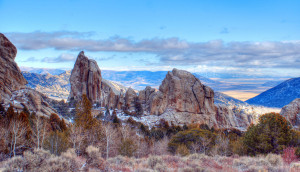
x=84 y=116
x=272 y=134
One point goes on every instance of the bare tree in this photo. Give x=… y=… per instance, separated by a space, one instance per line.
x=18 y=131
x=39 y=131
x=77 y=137
x=110 y=138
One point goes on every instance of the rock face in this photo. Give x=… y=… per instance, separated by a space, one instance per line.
x=33 y=100
x=12 y=83
x=130 y=99
x=85 y=79
x=180 y=91
x=183 y=99
x=112 y=94
x=292 y=112
x=11 y=78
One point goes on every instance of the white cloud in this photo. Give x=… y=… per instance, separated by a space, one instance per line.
x=170 y=51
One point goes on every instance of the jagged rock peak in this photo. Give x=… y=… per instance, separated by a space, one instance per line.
x=85 y=79
x=292 y=112
x=11 y=78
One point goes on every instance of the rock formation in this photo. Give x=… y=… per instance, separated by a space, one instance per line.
x=180 y=91
x=85 y=79
x=32 y=100
x=112 y=95
x=11 y=78
x=130 y=99
x=12 y=83
x=292 y=112
x=181 y=97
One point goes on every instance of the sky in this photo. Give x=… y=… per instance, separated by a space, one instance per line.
x=257 y=37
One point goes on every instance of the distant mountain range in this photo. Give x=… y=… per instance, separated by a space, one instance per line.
x=279 y=95
x=42 y=70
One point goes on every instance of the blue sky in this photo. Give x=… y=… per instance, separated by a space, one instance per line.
x=258 y=36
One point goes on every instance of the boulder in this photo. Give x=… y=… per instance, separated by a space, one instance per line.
x=292 y=112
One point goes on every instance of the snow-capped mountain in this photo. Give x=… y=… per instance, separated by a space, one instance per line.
x=280 y=95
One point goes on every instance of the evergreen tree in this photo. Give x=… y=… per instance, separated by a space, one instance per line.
x=84 y=116
x=272 y=134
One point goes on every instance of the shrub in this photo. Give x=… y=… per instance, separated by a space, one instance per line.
x=36 y=159
x=251 y=164
x=56 y=164
x=153 y=161
x=271 y=134
x=15 y=164
x=161 y=168
x=120 y=160
x=289 y=155
x=158 y=134
x=275 y=160
x=197 y=136
x=182 y=150
x=41 y=160
x=94 y=159
x=70 y=155
x=127 y=148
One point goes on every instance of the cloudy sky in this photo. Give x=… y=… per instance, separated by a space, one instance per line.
x=257 y=37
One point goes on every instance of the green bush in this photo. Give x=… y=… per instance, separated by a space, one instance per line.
x=193 y=136
x=272 y=134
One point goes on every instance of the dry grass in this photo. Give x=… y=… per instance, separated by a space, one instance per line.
x=68 y=161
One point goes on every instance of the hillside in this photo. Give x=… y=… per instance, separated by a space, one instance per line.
x=279 y=95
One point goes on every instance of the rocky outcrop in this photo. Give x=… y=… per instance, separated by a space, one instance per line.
x=85 y=79
x=183 y=99
x=130 y=99
x=112 y=94
x=11 y=78
x=180 y=91
x=12 y=84
x=292 y=112
x=33 y=100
